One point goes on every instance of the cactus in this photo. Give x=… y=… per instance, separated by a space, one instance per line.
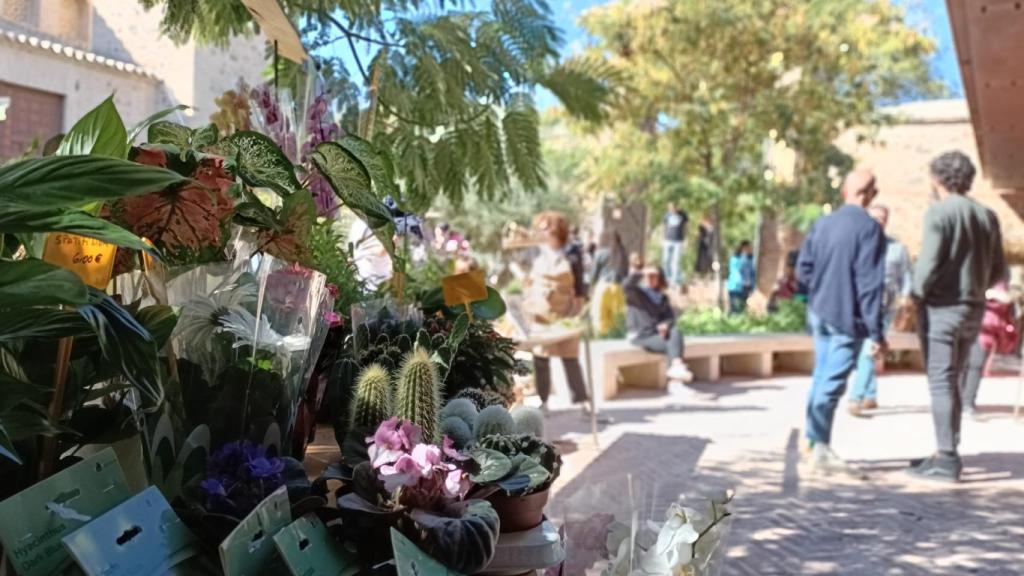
x=418 y=398
x=494 y=420
x=474 y=395
x=371 y=404
x=529 y=420
x=495 y=398
x=461 y=408
x=460 y=433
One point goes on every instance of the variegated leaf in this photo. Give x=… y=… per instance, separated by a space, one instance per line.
x=260 y=162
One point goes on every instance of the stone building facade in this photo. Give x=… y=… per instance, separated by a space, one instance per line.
x=59 y=58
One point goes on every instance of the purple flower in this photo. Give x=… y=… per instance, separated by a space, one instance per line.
x=213 y=488
x=264 y=467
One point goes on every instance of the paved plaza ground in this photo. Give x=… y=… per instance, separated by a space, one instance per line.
x=787 y=520
x=747 y=435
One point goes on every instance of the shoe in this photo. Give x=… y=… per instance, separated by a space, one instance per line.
x=544 y=408
x=679 y=371
x=869 y=404
x=823 y=459
x=937 y=468
x=972 y=413
x=856 y=409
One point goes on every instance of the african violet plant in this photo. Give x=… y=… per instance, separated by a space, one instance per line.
x=517 y=464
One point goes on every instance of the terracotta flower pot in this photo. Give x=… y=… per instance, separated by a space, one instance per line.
x=518 y=513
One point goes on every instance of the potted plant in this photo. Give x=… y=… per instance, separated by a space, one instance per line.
x=515 y=473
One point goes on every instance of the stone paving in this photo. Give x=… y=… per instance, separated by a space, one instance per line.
x=788 y=520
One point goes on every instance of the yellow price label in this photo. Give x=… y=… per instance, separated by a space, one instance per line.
x=464 y=288
x=92 y=260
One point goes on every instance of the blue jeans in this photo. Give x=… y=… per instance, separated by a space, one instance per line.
x=672 y=256
x=835 y=354
x=865 y=379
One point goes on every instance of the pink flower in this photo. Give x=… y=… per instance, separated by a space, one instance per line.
x=456 y=483
x=449 y=450
x=392 y=440
x=332 y=318
x=427 y=456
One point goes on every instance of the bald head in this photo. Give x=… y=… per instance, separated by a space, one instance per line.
x=859 y=187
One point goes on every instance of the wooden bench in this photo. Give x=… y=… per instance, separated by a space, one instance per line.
x=617 y=363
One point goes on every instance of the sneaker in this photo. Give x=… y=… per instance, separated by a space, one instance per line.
x=678 y=371
x=869 y=404
x=972 y=413
x=856 y=409
x=824 y=460
x=937 y=468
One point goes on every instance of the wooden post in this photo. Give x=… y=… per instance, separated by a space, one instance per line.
x=60 y=376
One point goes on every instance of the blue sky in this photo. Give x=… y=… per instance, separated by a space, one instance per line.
x=927 y=15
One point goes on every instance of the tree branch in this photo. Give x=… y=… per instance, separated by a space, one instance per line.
x=350 y=34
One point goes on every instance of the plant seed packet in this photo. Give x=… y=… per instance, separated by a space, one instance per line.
x=308 y=549
x=249 y=550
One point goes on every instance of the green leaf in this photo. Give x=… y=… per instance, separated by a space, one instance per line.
x=288 y=239
x=33 y=282
x=536 y=473
x=351 y=182
x=206 y=136
x=99 y=133
x=378 y=165
x=26 y=422
x=164 y=132
x=459 y=330
x=125 y=343
x=25 y=220
x=14 y=392
x=7 y=447
x=141 y=126
x=159 y=321
x=259 y=162
x=42 y=323
x=493 y=465
x=63 y=181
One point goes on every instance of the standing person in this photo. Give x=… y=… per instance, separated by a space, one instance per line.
x=961 y=257
x=842 y=263
x=554 y=290
x=705 y=245
x=998 y=336
x=898 y=283
x=675 y=221
x=610 y=267
x=740 y=283
x=652 y=322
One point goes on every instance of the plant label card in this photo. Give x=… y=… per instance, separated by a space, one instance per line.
x=309 y=550
x=92 y=260
x=249 y=550
x=464 y=288
x=56 y=507
x=411 y=561
x=142 y=535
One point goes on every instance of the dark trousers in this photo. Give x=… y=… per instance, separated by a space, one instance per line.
x=971 y=380
x=672 y=347
x=947 y=334
x=738 y=301
x=573 y=374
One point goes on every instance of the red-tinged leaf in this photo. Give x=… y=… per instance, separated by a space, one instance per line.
x=288 y=240
x=187 y=224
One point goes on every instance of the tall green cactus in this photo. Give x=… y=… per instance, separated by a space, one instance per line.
x=418 y=398
x=372 y=403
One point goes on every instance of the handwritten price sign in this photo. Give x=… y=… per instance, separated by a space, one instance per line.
x=92 y=260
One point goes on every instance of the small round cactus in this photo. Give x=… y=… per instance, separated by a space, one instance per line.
x=494 y=420
x=529 y=420
x=371 y=404
x=461 y=408
x=495 y=398
x=474 y=395
x=460 y=433
x=418 y=398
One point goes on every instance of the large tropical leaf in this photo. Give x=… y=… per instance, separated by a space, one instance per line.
x=186 y=224
x=288 y=239
x=351 y=182
x=153 y=119
x=63 y=181
x=42 y=323
x=33 y=282
x=22 y=422
x=125 y=343
x=260 y=162
x=377 y=164
x=159 y=321
x=22 y=220
x=99 y=133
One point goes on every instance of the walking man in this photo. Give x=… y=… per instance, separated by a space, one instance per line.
x=675 y=238
x=842 y=262
x=961 y=257
x=898 y=283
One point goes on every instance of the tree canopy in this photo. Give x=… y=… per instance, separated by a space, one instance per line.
x=707 y=85
x=446 y=90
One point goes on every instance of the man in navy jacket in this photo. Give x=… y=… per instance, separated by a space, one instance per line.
x=842 y=263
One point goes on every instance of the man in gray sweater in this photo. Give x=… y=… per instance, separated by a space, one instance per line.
x=961 y=256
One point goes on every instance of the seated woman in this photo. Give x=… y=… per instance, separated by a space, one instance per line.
x=651 y=321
